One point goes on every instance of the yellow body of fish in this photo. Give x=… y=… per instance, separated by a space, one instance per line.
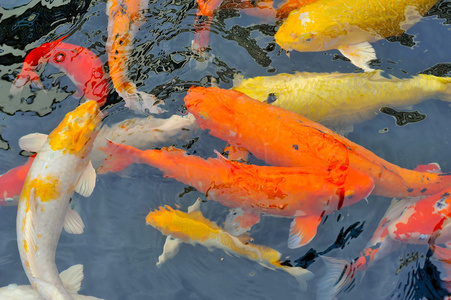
x=193 y=228
x=339 y=100
x=349 y=25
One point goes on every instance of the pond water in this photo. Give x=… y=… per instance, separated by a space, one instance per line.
x=119 y=251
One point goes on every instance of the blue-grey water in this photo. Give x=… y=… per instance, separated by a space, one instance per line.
x=118 y=249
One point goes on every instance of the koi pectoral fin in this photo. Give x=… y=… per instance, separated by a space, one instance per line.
x=73 y=223
x=23 y=79
x=302 y=230
x=238 y=221
x=32 y=142
x=87 y=182
x=170 y=249
x=359 y=54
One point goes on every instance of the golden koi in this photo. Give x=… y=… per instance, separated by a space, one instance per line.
x=124 y=19
x=349 y=26
x=340 y=100
x=61 y=167
x=193 y=228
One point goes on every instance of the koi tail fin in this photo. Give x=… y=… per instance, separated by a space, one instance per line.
x=23 y=79
x=444 y=256
x=118 y=157
x=339 y=275
x=302 y=276
x=142 y=102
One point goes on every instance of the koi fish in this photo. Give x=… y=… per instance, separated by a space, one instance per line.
x=71 y=279
x=193 y=228
x=82 y=66
x=124 y=19
x=352 y=95
x=303 y=193
x=288 y=139
x=11 y=183
x=416 y=220
x=44 y=202
x=264 y=9
x=349 y=26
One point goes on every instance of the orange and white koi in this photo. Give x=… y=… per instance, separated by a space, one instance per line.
x=193 y=228
x=349 y=26
x=287 y=139
x=124 y=19
x=83 y=67
x=61 y=167
x=303 y=193
x=71 y=279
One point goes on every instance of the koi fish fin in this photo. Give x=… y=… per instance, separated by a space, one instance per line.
x=302 y=276
x=118 y=157
x=73 y=223
x=170 y=249
x=72 y=278
x=444 y=256
x=87 y=181
x=359 y=54
x=238 y=221
x=302 y=230
x=432 y=168
x=195 y=206
x=23 y=79
x=32 y=142
x=339 y=274
x=140 y=102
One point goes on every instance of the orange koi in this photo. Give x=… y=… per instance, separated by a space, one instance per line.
x=303 y=193
x=83 y=67
x=124 y=19
x=287 y=139
x=11 y=183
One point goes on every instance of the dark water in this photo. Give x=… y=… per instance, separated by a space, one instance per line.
x=118 y=250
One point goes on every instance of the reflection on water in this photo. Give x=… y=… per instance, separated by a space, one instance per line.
x=118 y=250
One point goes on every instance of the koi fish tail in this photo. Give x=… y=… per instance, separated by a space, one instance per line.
x=23 y=79
x=142 y=102
x=339 y=276
x=444 y=256
x=302 y=276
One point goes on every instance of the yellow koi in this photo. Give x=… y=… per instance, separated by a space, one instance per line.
x=193 y=228
x=349 y=26
x=340 y=100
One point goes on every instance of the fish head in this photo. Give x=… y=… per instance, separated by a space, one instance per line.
x=422 y=220
x=214 y=108
x=306 y=31
x=76 y=133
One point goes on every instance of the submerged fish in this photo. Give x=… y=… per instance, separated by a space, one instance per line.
x=303 y=193
x=61 y=167
x=349 y=26
x=193 y=228
x=124 y=19
x=11 y=183
x=83 y=67
x=71 y=279
x=339 y=100
x=283 y=138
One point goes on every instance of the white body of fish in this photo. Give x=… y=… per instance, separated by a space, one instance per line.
x=61 y=167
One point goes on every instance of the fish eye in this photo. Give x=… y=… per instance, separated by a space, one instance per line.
x=60 y=57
